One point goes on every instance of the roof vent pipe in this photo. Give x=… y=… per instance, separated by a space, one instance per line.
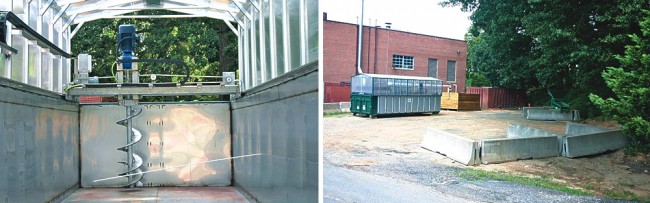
x=360 y=39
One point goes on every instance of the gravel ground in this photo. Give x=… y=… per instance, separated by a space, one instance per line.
x=412 y=177
x=388 y=150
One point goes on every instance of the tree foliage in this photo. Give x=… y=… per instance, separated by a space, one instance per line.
x=554 y=44
x=630 y=83
x=206 y=45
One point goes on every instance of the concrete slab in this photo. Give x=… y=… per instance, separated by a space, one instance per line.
x=157 y=194
x=583 y=140
x=545 y=114
x=458 y=148
x=513 y=149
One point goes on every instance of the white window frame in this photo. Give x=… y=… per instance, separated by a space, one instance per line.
x=455 y=72
x=403 y=65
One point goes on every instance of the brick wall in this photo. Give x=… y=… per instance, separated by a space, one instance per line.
x=379 y=45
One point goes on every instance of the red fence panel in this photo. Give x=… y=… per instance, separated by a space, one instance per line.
x=337 y=92
x=499 y=97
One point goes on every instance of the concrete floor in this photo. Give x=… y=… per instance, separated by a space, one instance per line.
x=157 y=194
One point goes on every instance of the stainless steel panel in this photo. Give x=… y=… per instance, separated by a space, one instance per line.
x=285 y=130
x=407 y=104
x=173 y=134
x=39 y=145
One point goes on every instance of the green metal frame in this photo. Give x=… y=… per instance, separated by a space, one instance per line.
x=558 y=103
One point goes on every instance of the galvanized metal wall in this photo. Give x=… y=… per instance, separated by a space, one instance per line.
x=39 y=144
x=172 y=135
x=407 y=104
x=280 y=120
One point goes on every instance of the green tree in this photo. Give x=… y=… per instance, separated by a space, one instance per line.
x=562 y=45
x=630 y=83
x=206 y=45
x=475 y=78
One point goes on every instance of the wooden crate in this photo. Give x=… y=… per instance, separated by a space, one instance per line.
x=460 y=101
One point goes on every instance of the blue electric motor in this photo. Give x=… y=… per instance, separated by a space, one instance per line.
x=126 y=40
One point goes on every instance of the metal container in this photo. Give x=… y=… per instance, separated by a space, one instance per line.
x=374 y=94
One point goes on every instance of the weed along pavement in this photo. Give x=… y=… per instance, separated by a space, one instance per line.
x=381 y=160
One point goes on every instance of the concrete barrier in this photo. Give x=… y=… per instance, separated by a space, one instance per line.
x=521 y=142
x=331 y=108
x=521 y=131
x=344 y=106
x=583 y=140
x=458 y=148
x=336 y=107
x=550 y=114
x=525 y=110
x=513 y=149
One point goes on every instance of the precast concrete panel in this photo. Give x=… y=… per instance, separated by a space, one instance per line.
x=173 y=134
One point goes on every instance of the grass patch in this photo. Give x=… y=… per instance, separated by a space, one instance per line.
x=543 y=182
x=621 y=194
x=337 y=114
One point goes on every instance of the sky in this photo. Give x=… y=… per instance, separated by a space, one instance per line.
x=418 y=16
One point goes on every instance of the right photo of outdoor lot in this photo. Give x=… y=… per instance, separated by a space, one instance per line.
x=502 y=101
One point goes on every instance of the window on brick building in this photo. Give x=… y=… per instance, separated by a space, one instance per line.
x=402 y=62
x=451 y=71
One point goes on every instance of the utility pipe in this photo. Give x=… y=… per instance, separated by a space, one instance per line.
x=360 y=39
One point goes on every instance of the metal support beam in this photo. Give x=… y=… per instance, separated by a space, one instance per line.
x=234 y=30
x=262 y=47
x=243 y=10
x=285 y=37
x=241 y=24
x=273 y=48
x=240 y=57
x=253 y=42
x=303 y=32
x=158 y=16
x=67 y=24
x=76 y=29
x=60 y=13
x=255 y=4
x=156 y=91
x=45 y=7
x=247 y=51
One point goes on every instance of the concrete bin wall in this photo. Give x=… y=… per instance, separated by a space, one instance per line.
x=521 y=131
x=545 y=114
x=336 y=107
x=583 y=140
x=522 y=142
x=513 y=149
x=458 y=148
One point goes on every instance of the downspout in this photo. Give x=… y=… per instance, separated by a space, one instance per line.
x=360 y=39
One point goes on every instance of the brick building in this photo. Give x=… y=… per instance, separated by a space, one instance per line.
x=387 y=51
